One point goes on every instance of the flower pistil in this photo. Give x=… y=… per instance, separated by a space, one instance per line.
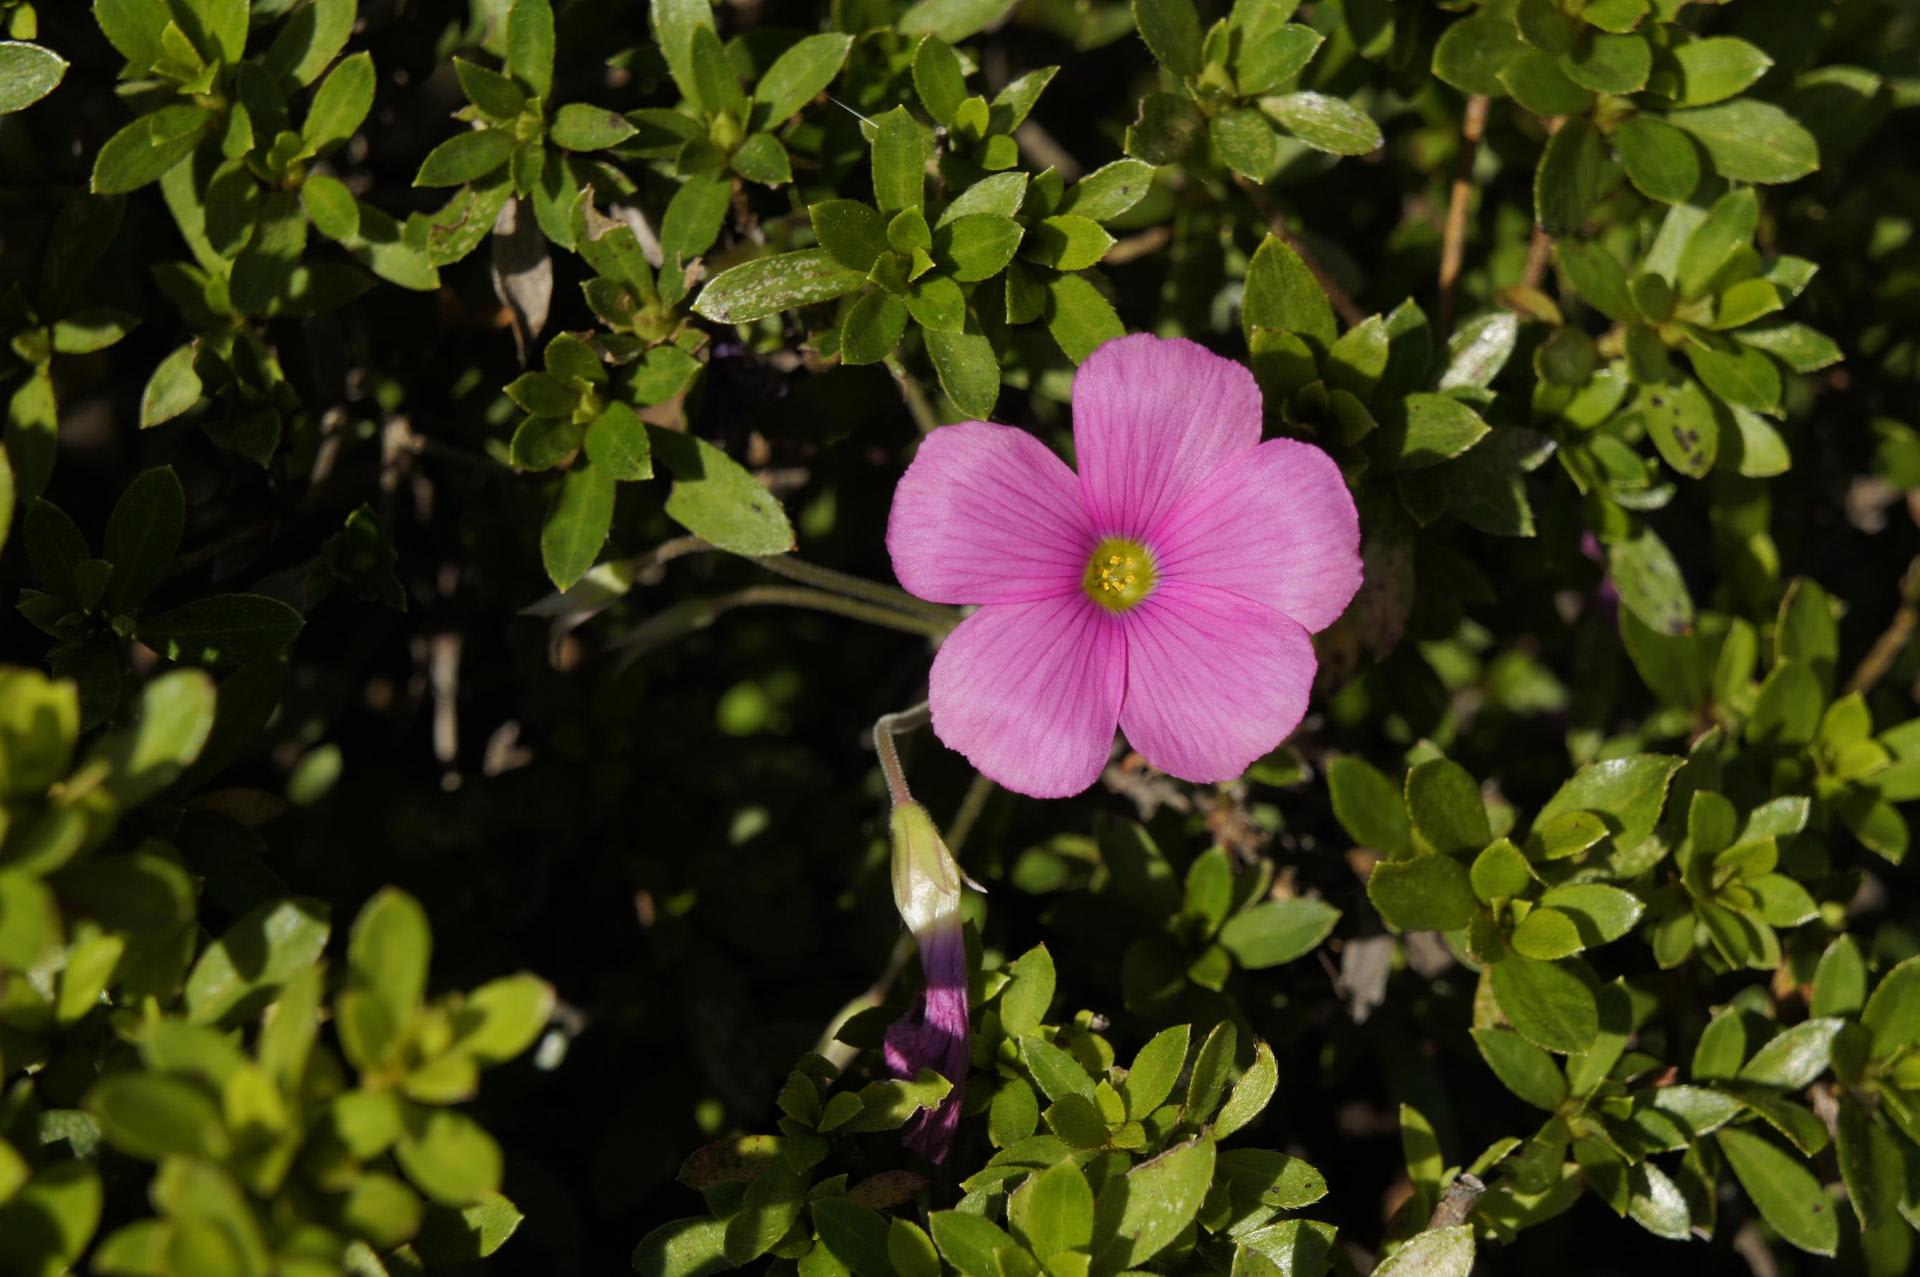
x=1120 y=573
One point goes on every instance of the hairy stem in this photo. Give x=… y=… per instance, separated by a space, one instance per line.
x=856 y=587
x=916 y=399
x=905 y=720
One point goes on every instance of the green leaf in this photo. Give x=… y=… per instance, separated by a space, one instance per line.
x=1795 y=1057
x=1426 y=893
x=1787 y=1195
x=1546 y=934
x=1325 y=123
x=1171 y=29
x=1244 y=141
x=899 y=161
x=1661 y=161
x=1448 y=814
x=1500 y=871
x=577 y=524
x=1024 y=1002
x=388 y=950
x=854 y=233
x=1680 y=419
x=1710 y=70
x=1282 y=293
x=1167 y=129
x=1053 y=1211
x=471 y=155
x=1602 y=913
x=495 y=94
x=146 y=149
x=951 y=20
x=1538 y=83
x=1751 y=141
x=448 y=1156
x=1367 y=805
x=331 y=206
x=254 y=958
x=154 y=1116
x=616 y=444
x=685 y=1247
x=1154 y=1071
x=798 y=75
x=143 y=534
x=340 y=105
x=1250 y=1094
x=1727 y=229
x=969 y=371
x=673 y=23
x=222 y=629
x=1546 y=25
x=1472 y=52
x=309 y=39
x=1277 y=931
x=466 y=1235
x=1549 y=1005
x=1643 y=570
x=1840 y=981
x=768 y=285
x=873 y=327
x=530 y=44
x=580 y=127
x=939 y=79
x=977 y=246
x=27 y=74
x=856 y=1235
x=970 y=1243
x=1438 y=1252
x=1892 y=1014
x=1873 y=1163
x=1626 y=793
x=718 y=500
x=1740 y=375
x=694 y=217
x=1425 y=430
x=1573 y=173
x=1522 y=1067
x=1609 y=63
x=1079 y=317
x=1056 y=1072
x=1066 y=242
x=1271 y=50
x=1160 y=1200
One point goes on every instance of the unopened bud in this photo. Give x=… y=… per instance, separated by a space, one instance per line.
x=926 y=882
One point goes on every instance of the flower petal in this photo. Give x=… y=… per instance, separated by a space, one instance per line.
x=1030 y=692
x=988 y=514
x=1214 y=681
x=1152 y=419
x=933 y=1035
x=1277 y=525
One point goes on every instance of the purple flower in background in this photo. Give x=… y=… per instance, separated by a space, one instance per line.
x=933 y=1034
x=1169 y=588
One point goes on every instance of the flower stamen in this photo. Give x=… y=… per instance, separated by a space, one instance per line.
x=1120 y=573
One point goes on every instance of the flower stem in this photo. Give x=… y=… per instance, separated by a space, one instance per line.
x=798 y=569
x=905 y=720
x=698 y=614
x=916 y=399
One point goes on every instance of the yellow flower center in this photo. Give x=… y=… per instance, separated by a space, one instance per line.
x=1119 y=574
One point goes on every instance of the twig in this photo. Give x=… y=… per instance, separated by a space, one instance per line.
x=1041 y=147
x=1457 y=1202
x=1539 y=253
x=916 y=399
x=1880 y=657
x=1151 y=240
x=1342 y=303
x=1473 y=127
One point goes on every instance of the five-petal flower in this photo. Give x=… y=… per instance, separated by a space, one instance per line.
x=1168 y=588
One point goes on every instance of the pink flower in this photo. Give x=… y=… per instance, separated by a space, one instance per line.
x=1169 y=588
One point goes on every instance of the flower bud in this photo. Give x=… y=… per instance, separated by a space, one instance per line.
x=926 y=882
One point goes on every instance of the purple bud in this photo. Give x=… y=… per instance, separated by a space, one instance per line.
x=933 y=1033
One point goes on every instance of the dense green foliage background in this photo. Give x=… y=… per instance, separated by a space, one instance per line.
x=427 y=427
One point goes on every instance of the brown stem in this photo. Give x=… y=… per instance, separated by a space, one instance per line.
x=1473 y=127
x=1277 y=224
x=1880 y=657
x=1457 y=1202
x=1539 y=253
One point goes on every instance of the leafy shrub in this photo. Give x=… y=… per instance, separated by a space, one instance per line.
x=451 y=446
